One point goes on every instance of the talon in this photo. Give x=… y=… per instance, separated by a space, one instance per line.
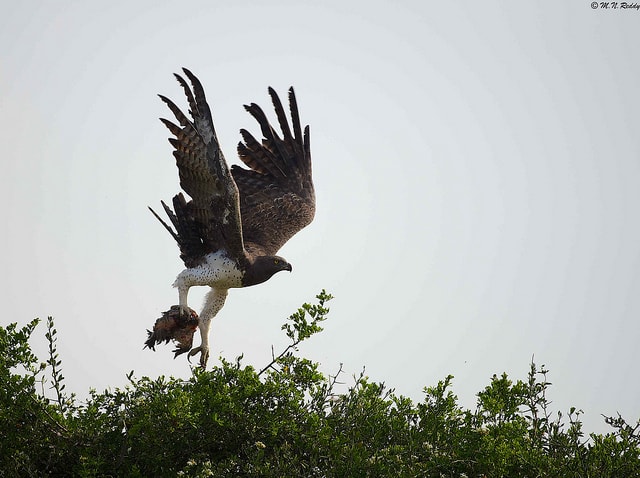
x=204 y=356
x=193 y=352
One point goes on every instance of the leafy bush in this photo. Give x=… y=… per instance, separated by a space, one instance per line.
x=288 y=419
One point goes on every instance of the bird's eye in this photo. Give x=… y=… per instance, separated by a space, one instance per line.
x=276 y=261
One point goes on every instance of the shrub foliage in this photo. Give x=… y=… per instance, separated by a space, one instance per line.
x=288 y=419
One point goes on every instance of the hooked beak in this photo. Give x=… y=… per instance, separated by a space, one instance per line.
x=288 y=267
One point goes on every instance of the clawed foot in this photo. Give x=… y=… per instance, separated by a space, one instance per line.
x=204 y=355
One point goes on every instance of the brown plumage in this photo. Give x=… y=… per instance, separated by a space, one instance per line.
x=237 y=218
x=174 y=326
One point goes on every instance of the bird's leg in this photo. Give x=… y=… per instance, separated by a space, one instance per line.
x=183 y=282
x=203 y=348
x=212 y=304
x=183 y=291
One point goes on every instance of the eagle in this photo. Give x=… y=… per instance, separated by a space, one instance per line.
x=234 y=220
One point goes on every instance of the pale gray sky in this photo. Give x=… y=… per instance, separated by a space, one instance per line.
x=476 y=169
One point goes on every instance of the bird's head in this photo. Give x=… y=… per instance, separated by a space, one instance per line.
x=264 y=267
x=280 y=264
x=273 y=264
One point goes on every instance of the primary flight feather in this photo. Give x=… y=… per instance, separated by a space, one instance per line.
x=236 y=219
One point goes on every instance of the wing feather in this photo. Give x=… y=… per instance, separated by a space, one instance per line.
x=258 y=158
x=282 y=121
x=277 y=197
x=278 y=156
x=295 y=118
x=210 y=220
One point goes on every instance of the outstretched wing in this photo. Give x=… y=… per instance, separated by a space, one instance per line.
x=276 y=194
x=210 y=221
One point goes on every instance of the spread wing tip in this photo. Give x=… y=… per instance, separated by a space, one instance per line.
x=166 y=226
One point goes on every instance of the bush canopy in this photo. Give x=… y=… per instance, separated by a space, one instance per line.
x=288 y=419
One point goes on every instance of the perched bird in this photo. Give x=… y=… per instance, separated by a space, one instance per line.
x=236 y=219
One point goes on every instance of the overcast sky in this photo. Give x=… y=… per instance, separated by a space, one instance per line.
x=476 y=168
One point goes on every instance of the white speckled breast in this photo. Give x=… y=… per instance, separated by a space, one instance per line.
x=217 y=271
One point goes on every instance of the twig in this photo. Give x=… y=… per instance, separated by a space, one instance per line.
x=274 y=360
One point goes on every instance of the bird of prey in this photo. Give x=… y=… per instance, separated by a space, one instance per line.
x=236 y=219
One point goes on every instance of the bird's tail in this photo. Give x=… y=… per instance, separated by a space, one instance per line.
x=188 y=234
